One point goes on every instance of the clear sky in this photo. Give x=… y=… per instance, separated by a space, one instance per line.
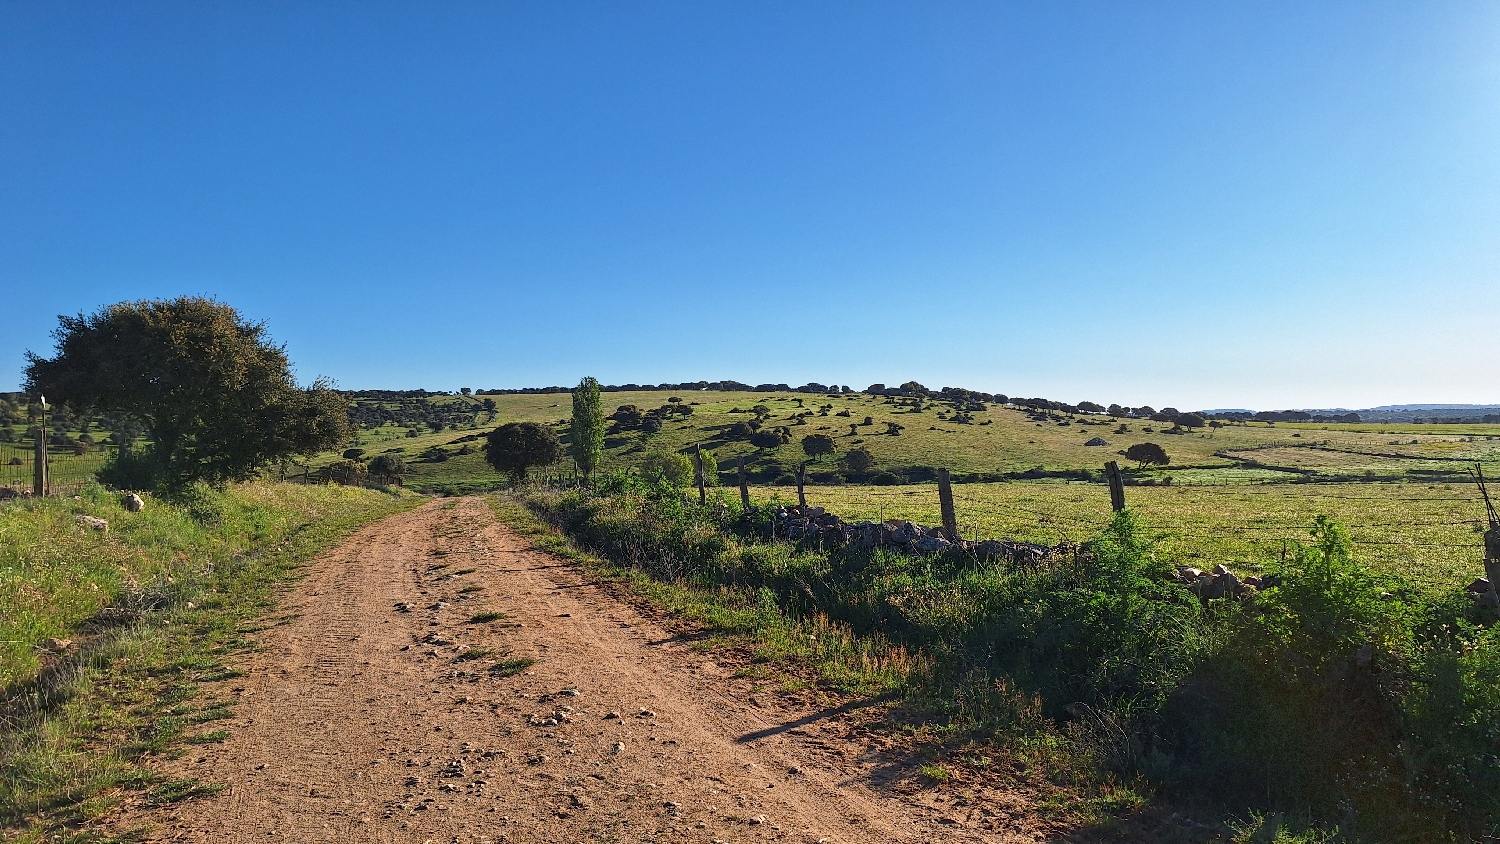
x=1206 y=204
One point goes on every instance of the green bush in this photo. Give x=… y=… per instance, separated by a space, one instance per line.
x=1337 y=697
x=676 y=469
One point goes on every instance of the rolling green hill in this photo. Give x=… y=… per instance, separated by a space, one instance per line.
x=999 y=442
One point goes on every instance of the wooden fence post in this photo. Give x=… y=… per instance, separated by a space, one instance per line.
x=801 y=479
x=702 y=475
x=39 y=460
x=945 y=504
x=1491 y=542
x=1116 y=486
x=744 y=484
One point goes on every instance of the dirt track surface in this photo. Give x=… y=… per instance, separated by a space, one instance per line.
x=357 y=721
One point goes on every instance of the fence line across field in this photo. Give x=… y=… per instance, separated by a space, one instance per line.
x=67 y=470
x=1436 y=524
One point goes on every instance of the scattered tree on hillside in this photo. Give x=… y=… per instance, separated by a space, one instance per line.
x=740 y=431
x=1145 y=454
x=518 y=447
x=1191 y=420
x=627 y=416
x=587 y=433
x=817 y=445
x=767 y=438
x=353 y=453
x=388 y=466
x=216 y=396
x=859 y=460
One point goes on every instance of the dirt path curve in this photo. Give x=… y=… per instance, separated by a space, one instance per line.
x=360 y=722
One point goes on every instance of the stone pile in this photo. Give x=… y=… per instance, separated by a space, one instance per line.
x=1223 y=583
x=817 y=526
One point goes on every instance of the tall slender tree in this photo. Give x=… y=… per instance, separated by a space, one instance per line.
x=588 y=427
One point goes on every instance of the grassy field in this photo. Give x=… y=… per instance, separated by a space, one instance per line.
x=181 y=584
x=1013 y=441
x=1429 y=533
x=1237 y=493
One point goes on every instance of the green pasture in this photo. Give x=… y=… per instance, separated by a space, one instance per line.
x=1013 y=441
x=1237 y=494
x=1430 y=533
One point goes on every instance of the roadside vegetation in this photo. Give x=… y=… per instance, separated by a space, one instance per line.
x=1344 y=701
x=106 y=636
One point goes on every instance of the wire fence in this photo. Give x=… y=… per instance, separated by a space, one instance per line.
x=69 y=468
x=1432 y=534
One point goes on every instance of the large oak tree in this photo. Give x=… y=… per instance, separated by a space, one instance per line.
x=216 y=397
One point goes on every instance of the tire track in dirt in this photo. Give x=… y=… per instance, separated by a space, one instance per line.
x=356 y=721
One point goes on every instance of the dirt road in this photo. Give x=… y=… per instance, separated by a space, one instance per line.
x=361 y=719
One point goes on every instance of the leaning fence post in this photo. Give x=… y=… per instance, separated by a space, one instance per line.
x=801 y=479
x=1116 y=486
x=702 y=475
x=744 y=484
x=945 y=504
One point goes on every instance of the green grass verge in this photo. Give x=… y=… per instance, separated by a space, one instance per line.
x=791 y=654
x=181 y=588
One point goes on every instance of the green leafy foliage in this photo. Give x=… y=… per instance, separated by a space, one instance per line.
x=518 y=447
x=388 y=466
x=1338 y=697
x=1145 y=454
x=587 y=433
x=859 y=460
x=670 y=467
x=818 y=445
x=216 y=397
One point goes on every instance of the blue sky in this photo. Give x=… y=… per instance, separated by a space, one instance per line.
x=1197 y=205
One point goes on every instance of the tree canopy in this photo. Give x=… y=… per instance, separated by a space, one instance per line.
x=519 y=447
x=817 y=445
x=1146 y=454
x=587 y=432
x=216 y=397
x=388 y=466
x=859 y=460
x=767 y=438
